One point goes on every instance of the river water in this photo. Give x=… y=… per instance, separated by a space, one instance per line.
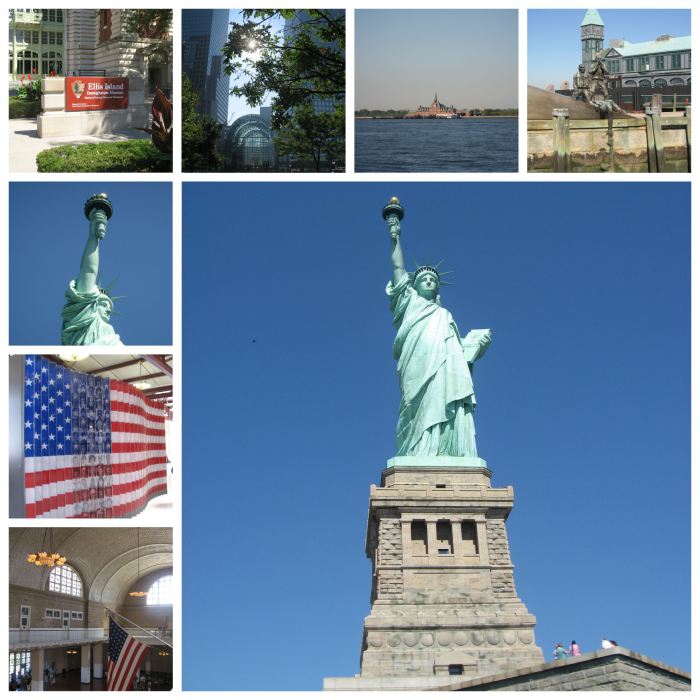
x=436 y=145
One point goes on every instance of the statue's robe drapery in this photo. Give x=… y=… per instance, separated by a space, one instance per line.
x=437 y=393
x=86 y=318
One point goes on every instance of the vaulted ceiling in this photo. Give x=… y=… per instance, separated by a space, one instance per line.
x=108 y=559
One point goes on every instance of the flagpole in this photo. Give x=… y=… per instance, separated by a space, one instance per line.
x=131 y=622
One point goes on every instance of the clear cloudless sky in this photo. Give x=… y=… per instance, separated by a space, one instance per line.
x=291 y=401
x=554 y=37
x=48 y=231
x=403 y=57
x=237 y=106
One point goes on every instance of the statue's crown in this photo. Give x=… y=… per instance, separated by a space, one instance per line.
x=428 y=270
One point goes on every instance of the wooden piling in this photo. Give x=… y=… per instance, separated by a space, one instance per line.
x=651 y=142
x=659 y=140
x=562 y=141
x=687 y=132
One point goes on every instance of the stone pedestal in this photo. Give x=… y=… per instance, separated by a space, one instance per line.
x=444 y=605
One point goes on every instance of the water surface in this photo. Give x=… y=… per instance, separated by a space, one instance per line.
x=436 y=145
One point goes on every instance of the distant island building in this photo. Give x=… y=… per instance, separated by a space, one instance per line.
x=437 y=110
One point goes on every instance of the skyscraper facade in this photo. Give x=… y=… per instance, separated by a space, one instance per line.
x=204 y=32
x=321 y=103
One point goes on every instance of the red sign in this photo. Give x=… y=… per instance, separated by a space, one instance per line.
x=96 y=93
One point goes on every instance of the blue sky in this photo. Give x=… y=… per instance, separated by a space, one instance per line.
x=292 y=400
x=554 y=39
x=403 y=57
x=48 y=231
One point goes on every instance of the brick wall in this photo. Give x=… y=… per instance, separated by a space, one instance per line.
x=39 y=601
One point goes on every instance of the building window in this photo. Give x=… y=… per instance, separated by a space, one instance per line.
x=419 y=537
x=470 y=544
x=659 y=63
x=45 y=15
x=629 y=65
x=455 y=669
x=161 y=592
x=35 y=37
x=20 y=663
x=659 y=82
x=64 y=579
x=44 y=37
x=52 y=62
x=677 y=81
x=52 y=15
x=645 y=83
x=59 y=15
x=675 y=60
x=59 y=38
x=444 y=537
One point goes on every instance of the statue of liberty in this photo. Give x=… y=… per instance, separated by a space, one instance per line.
x=436 y=415
x=88 y=308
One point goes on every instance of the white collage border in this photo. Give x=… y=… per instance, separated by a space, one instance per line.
x=178 y=178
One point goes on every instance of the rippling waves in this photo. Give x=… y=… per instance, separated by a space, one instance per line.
x=436 y=145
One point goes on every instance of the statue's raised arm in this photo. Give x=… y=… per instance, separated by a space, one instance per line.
x=433 y=366
x=88 y=309
x=393 y=213
x=98 y=214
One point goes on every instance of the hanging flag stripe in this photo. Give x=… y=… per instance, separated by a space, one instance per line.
x=94 y=447
x=124 y=656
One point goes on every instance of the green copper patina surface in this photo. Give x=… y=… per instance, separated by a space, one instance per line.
x=88 y=309
x=436 y=415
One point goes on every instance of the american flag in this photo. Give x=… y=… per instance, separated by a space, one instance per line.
x=124 y=656
x=93 y=447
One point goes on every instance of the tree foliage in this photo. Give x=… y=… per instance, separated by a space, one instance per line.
x=310 y=136
x=200 y=134
x=149 y=24
x=308 y=63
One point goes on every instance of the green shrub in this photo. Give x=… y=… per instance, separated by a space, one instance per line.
x=23 y=108
x=135 y=156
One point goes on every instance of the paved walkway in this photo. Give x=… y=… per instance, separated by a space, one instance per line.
x=25 y=144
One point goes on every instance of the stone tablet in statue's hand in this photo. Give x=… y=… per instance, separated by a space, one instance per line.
x=485 y=338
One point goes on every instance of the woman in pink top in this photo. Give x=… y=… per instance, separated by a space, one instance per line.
x=574 y=649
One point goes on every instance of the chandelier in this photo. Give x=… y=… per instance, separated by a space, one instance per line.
x=138 y=594
x=45 y=557
x=141 y=385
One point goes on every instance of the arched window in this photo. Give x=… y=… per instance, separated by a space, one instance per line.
x=678 y=81
x=630 y=83
x=65 y=579
x=659 y=82
x=645 y=83
x=161 y=592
